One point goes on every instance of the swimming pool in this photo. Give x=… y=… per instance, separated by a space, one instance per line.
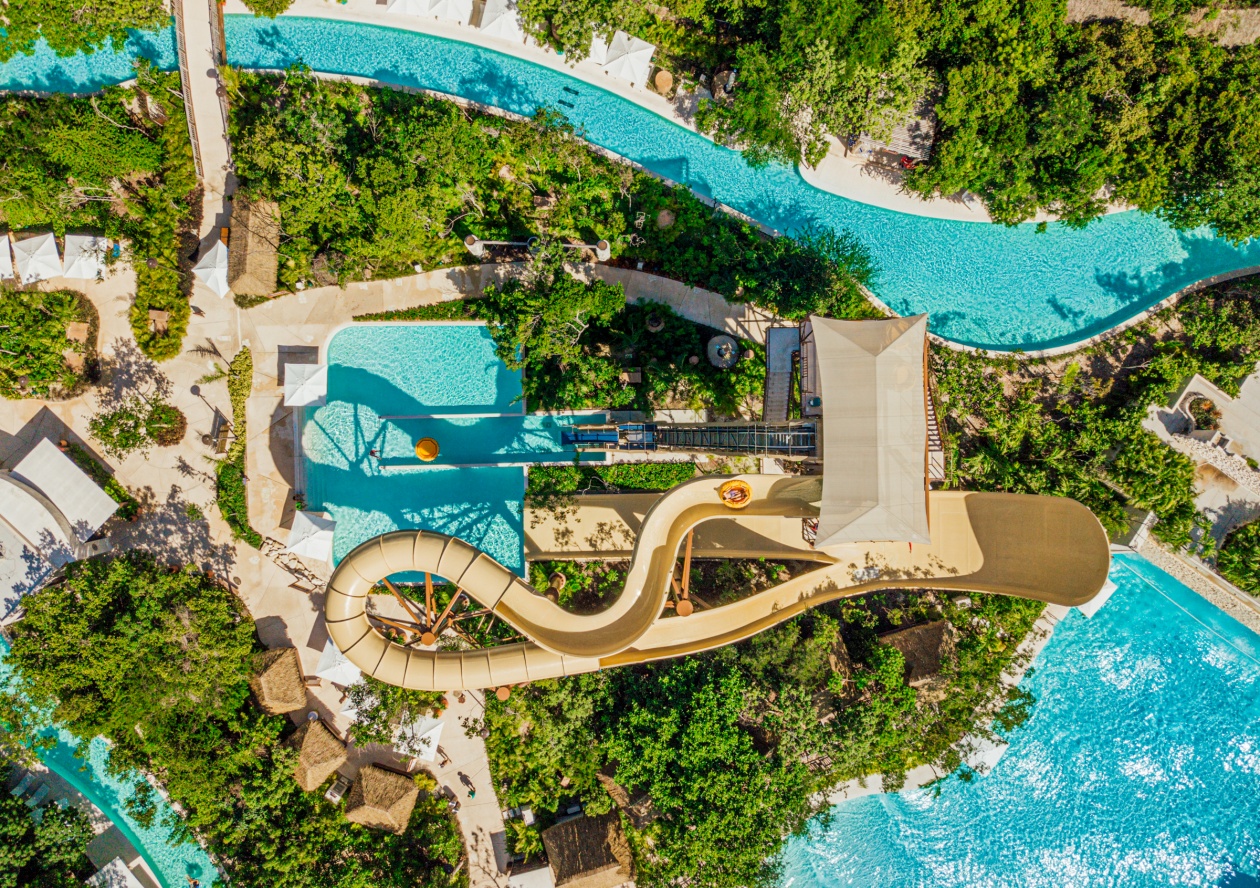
x=390 y=385
x=1139 y=767
x=45 y=71
x=172 y=863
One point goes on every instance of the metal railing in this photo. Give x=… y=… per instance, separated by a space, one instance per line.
x=185 y=82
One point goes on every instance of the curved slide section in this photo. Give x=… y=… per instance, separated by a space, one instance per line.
x=1041 y=548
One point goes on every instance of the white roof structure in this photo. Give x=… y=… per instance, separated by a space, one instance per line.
x=305 y=385
x=212 y=269
x=37 y=258
x=451 y=10
x=500 y=19
x=629 y=58
x=312 y=536
x=114 y=875
x=419 y=739
x=6 y=261
x=599 y=50
x=85 y=257
x=334 y=666
x=408 y=7
x=78 y=497
x=873 y=378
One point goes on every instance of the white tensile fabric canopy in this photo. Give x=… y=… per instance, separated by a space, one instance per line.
x=499 y=19
x=334 y=667
x=212 y=269
x=37 y=258
x=305 y=385
x=419 y=739
x=85 y=257
x=452 y=10
x=6 y=261
x=55 y=475
x=312 y=536
x=873 y=379
x=409 y=7
x=114 y=874
x=629 y=58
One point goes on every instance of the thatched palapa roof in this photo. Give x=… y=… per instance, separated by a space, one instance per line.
x=252 y=247
x=926 y=647
x=382 y=799
x=589 y=852
x=320 y=754
x=277 y=682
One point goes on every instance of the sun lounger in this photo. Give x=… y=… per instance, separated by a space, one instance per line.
x=23 y=785
x=38 y=796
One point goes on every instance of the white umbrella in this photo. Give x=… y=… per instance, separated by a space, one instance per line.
x=499 y=19
x=408 y=7
x=334 y=666
x=599 y=50
x=6 y=261
x=85 y=257
x=629 y=58
x=419 y=739
x=312 y=536
x=454 y=10
x=305 y=385
x=37 y=258
x=212 y=269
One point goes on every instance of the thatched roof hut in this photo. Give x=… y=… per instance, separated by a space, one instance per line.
x=277 y=682
x=320 y=754
x=589 y=852
x=382 y=799
x=253 y=260
x=927 y=648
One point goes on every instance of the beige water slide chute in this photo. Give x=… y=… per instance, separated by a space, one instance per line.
x=1043 y=548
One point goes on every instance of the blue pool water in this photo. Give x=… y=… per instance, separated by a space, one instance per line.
x=171 y=863
x=1140 y=766
x=984 y=285
x=45 y=71
x=390 y=385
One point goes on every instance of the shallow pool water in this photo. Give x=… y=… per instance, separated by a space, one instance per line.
x=390 y=385
x=172 y=863
x=45 y=71
x=985 y=285
x=1140 y=766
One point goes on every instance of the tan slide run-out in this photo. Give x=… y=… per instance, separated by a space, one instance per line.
x=1043 y=548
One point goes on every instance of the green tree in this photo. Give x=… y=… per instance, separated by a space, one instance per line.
x=44 y=849
x=381 y=709
x=85 y=26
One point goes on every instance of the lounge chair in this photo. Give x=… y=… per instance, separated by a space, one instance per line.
x=38 y=796
x=23 y=785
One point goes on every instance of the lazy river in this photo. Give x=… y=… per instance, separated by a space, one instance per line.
x=1138 y=767
x=983 y=285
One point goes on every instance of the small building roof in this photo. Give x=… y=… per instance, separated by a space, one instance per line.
x=253 y=260
x=926 y=648
x=277 y=682
x=589 y=852
x=78 y=497
x=382 y=799
x=873 y=379
x=320 y=754
x=114 y=875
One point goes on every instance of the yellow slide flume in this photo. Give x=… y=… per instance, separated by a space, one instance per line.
x=1043 y=548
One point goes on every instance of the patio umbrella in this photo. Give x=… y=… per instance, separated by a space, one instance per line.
x=500 y=20
x=6 y=261
x=408 y=7
x=212 y=269
x=305 y=385
x=629 y=58
x=599 y=50
x=85 y=257
x=452 y=10
x=37 y=258
x=312 y=536
x=334 y=666
x=419 y=739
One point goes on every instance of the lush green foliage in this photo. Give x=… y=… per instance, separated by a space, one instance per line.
x=158 y=661
x=69 y=28
x=135 y=423
x=33 y=342
x=268 y=8
x=1033 y=113
x=47 y=850
x=371 y=182
x=120 y=164
x=1239 y=558
x=730 y=745
x=230 y=493
x=545 y=481
x=384 y=708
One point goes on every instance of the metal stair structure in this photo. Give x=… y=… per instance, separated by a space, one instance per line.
x=799 y=438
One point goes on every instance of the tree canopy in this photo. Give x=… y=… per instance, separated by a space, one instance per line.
x=68 y=28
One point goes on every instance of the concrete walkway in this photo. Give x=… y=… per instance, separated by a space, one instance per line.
x=210 y=125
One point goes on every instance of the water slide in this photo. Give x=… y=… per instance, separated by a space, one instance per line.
x=1042 y=548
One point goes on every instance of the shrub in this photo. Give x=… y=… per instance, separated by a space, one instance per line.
x=1205 y=414
x=33 y=342
x=166 y=424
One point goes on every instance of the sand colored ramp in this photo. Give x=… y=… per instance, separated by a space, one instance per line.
x=1041 y=548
